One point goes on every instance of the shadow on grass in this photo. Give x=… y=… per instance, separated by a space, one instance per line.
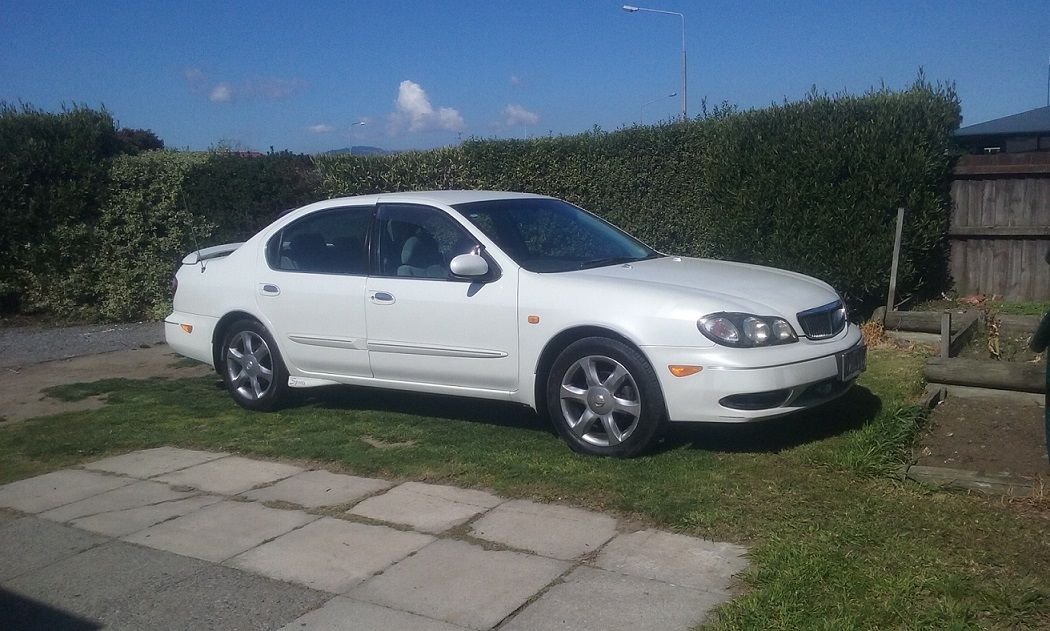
x=497 y=413
x=852 y=411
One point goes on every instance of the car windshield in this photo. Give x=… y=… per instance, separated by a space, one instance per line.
x=549 y=235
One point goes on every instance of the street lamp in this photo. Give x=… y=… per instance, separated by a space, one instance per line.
x=633 y=9
x=351 y=148
x=641 y=116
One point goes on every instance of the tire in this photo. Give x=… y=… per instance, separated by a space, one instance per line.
x=252 y=368
x=604 y=399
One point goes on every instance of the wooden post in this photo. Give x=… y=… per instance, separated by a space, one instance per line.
x=896 y=256
x=946 y=334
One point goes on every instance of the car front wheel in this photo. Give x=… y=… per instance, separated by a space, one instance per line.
x=252 y=368
x=604 y=398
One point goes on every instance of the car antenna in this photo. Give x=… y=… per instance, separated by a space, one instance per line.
x=193 y=233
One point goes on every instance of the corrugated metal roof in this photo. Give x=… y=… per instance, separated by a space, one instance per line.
x=1035 y=121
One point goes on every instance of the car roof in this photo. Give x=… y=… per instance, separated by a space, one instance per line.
x=447 y=198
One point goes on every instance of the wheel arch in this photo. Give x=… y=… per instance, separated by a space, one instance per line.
x=219 y=333
x=560 y=342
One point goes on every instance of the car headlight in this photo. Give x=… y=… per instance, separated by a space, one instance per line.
x=744 y=330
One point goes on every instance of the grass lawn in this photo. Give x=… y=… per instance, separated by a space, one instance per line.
x=836 y=542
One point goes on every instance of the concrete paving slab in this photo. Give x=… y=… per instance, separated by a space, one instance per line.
x=429 y=508
x=220 y=598
x=331 y=554
x=134 y=495
x=344 y=614
x=220 y=531
x=31 y=543
x=44 y=492
x=313 y=489
x=230 y=475
x=598 y=600
x=147 y=463
x=555 y=531
x=673 y=558
x=102 y=581
x=124 y=522
x=461 y=583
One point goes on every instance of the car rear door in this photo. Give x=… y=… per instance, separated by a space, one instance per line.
x=312 y=291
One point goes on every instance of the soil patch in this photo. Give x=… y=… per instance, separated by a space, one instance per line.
x=21 y=395
x=1000 y=437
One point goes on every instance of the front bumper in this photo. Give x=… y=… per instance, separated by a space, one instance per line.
x=733 y=392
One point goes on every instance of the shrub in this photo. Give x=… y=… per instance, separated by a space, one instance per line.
x=53 y=170
x=144 y=230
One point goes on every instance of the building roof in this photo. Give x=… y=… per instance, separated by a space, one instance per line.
x=1032 y=122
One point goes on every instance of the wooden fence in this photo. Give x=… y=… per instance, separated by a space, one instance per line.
x=1000 y=225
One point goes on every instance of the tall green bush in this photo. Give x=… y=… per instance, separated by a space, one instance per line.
x=53 y=170
x=814 y=186
x=239 y=194
x=145 y=228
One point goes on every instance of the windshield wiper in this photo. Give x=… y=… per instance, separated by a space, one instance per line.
x=611 y=260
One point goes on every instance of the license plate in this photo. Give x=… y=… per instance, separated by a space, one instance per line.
x=852 y=362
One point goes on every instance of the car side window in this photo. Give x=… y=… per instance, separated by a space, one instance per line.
x=418 y=241
x=325 y=242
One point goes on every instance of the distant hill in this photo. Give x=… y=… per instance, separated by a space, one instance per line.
x=362 y=150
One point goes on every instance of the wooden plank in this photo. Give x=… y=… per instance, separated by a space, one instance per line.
x=945 y=477
x=1002 y=169
x=999 y=232
x=896 y=256
x=922 y=321
x=1023 y=377
x=946 y=335
x=966 y=328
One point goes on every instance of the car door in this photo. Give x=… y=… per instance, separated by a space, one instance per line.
x=425 y=326
x=312 y=291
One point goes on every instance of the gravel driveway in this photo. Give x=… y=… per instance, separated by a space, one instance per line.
x=22 y=346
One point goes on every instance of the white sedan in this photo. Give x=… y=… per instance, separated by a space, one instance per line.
x=514 y=297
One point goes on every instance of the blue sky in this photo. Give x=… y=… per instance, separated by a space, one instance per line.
x=295 y=75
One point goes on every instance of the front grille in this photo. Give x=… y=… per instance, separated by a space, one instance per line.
x=823 y=322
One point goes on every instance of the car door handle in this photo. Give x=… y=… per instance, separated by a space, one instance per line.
x=269 y=289
x=382 y=298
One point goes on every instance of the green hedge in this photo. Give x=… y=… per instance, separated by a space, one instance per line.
x=814 y=186
x=53 y=175
x=811 y=186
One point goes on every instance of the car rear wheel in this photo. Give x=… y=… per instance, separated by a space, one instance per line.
x=252 y=368
x=604 y=398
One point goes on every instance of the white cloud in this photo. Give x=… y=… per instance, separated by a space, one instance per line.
x=221 y=93
x=518 y=115
x=320 y=129
x=273 y=88
x=196 y=79
x=413 y=111
x=266 y=88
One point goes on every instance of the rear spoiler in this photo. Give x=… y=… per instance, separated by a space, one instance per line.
x=214 y=252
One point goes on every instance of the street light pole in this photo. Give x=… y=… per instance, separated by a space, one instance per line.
x=351 y=147
x=641 y=115
x=685 y=89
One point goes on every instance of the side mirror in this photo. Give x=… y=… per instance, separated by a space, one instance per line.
x=469 y=266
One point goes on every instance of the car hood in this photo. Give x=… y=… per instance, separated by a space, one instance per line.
x=724 y=285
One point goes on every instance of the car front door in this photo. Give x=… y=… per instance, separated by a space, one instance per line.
x=424 y=325
x=312 y=291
